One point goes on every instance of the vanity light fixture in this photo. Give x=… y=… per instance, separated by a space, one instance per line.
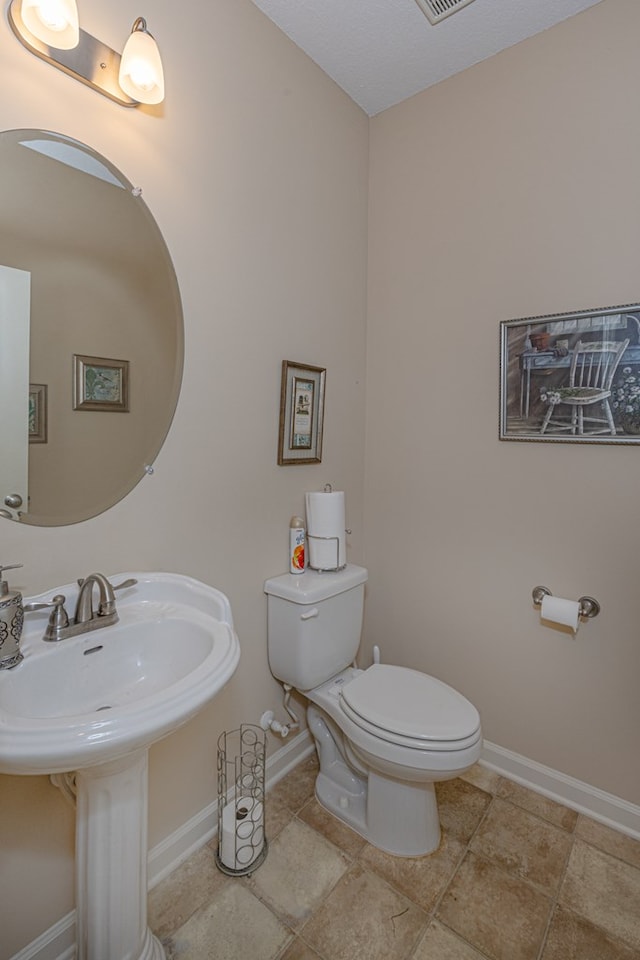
x=49 y=29
x=141 y=73
x=53 y=22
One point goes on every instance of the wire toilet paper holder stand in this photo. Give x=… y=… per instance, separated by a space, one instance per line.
x=328 y=488
x=589 y=607
x=241 y=790
x=338 y=566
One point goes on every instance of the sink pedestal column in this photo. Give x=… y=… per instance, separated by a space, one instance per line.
x=111 y=862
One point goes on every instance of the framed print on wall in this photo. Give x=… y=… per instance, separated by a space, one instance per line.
x=572 y=377
x=301 y=413
x=100 y=384
x=37 y=413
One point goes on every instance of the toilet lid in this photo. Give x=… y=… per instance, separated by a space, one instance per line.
x=410 y=704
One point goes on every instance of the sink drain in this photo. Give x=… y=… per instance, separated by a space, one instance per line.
x=107 y=706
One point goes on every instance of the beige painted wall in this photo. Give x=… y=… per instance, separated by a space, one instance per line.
x=508 y=191
x=259 y=184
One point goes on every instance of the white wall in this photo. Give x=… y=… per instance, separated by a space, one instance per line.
x=256 y=171
x=509 y=191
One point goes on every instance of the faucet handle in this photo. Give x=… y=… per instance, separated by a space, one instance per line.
x=58 y=619
x=131 y=582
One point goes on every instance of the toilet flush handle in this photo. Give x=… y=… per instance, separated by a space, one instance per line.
x=314 y=612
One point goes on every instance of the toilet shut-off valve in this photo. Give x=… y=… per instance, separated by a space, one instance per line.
x=268 y=721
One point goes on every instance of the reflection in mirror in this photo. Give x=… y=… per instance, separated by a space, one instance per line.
x=84 y=273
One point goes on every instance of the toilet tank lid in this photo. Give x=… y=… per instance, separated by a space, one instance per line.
x=312 y=586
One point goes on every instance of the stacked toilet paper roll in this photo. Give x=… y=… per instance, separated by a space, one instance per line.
x=326 y=532
x=566 y=613
x=242 y=837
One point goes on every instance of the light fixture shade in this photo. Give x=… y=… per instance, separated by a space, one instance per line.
x=54 y=22
x=141 y=75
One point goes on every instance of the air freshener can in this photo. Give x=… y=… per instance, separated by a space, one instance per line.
x=296 y=545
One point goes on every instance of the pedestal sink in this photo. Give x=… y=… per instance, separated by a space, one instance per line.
x=89 y=707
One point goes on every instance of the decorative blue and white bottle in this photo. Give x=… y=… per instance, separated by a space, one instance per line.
x=11 y=621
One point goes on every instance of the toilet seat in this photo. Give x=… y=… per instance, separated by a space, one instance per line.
x=410 y=708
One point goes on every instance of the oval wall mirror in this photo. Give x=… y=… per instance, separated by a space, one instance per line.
x=91 y=331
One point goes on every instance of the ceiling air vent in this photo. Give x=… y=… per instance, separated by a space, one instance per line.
x=437 y=10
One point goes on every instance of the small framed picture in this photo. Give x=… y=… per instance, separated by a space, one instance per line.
x=301 y=413
x=37 y=413
x=100 y=384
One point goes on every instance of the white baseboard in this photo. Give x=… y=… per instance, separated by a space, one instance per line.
x=58 y=943
x=594 y=803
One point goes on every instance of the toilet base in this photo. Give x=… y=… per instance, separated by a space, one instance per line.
x=405 y=826
x=396 y=816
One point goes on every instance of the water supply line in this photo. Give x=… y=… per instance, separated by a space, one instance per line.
x=268 y=721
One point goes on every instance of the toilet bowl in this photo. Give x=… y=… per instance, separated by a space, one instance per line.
x=377 y=772
x=384 y=735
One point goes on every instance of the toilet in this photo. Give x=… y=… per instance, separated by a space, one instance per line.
x=384 y=735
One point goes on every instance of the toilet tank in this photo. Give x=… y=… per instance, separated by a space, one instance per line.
x=314 y=624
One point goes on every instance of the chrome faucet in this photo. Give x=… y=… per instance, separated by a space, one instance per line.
x=107 y=600
x=86 y=618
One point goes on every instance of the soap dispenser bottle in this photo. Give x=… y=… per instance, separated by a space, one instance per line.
x=11 y=620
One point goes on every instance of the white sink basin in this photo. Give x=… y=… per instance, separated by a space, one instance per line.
x=93 y=698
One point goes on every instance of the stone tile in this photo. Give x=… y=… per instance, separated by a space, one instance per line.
x=310 y=901
x=299 y=871
x=572 y=938
x=535 y=803
x=496 y=912
x=524 y=845
x=480 y=776
x=299 y=951
x=440 y=943
x=297 y=787
x=461 y=806
x=611 y=841
x=184 y=891
x=365 y=919
x=277 y=814
x=421 y=879
x=604 y=890
x=233 y=926
x=330 y=827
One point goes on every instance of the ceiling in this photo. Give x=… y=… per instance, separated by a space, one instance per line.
x=382 y=51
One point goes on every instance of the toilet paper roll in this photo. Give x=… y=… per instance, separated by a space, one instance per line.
x=242 y=837
x=564 y=612
x=326 y=530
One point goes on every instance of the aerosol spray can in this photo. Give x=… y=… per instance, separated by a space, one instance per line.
x=296 y=545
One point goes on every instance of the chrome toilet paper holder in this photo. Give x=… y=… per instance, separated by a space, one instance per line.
x=311 y=536
x=589 y=607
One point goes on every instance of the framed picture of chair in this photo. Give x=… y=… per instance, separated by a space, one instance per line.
x=572 y=377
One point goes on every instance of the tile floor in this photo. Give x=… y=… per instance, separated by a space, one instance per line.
x=516 y=877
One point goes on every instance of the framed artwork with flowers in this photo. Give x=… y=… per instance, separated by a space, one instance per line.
x=572 y=377
x=301 y=413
